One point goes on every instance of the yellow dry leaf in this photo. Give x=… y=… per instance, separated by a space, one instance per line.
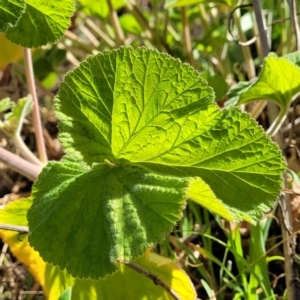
x=9 y=52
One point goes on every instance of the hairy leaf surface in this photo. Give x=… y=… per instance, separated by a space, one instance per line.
x=142 y=133
x=113 y=214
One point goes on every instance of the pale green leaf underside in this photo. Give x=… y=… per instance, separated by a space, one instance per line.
x=44 y=21
x=10 y=13
x=278 y=82
x=155 y=120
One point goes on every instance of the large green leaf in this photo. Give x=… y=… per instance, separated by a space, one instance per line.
x=124 y=213
x=142 y=133
x=124 y=284
x=44 y=21
x=10 y=13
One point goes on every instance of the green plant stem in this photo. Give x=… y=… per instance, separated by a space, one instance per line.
x=103 y=36
x=253 y=263
x=235 y=246
x=18 y=141
x=36 y=112
x=209 y=247
x=187 y=38
x=152 y=277
x=116 y=23
x=259 y=274
x=273 y=129
x=20 y=229
x=19 y=164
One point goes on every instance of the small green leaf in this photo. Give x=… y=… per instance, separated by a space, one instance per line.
x=10 y=12
x=6 y=104
x=44 y=21
x=14 y=119
x=278 y=82
x=142 y=133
